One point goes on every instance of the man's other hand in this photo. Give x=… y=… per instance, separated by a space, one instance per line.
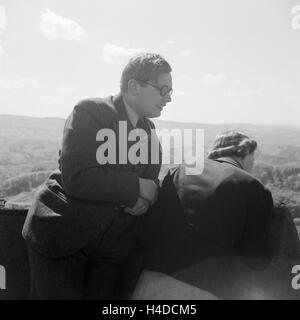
x=148 y=190
x=139 y=208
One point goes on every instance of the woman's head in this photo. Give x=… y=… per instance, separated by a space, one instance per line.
x=237 y=145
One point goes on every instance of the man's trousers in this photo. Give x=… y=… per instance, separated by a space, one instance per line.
x=106 y=268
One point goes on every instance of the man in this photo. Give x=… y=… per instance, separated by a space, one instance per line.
x=206 y=225
x=82 y=227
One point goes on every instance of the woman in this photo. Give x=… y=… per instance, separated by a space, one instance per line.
x=202 y=223
x=235 y=146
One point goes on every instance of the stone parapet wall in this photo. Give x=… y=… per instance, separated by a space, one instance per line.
x=276 y=279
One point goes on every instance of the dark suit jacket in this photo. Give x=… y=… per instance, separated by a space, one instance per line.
x=223 y=212
x=75 y=203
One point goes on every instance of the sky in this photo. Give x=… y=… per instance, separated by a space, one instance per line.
x=233 y=61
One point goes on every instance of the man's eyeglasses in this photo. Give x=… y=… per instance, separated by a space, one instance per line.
x=164 y=90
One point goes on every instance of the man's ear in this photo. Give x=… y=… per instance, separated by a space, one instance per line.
x=133 y=87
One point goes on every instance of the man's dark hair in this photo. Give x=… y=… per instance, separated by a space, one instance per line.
x=145 y=67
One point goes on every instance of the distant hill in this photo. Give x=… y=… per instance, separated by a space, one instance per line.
x=29 y=151
x=276 y=144
x=28 y=144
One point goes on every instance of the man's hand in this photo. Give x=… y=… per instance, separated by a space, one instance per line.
x=148 y=190
x=139 y=208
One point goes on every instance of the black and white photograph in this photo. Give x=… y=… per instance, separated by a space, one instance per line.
x=149 y=151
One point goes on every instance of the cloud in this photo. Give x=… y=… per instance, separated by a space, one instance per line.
x=295 y=23
x=118 y=55
x=54 y=26
x=170 y=42
x=186 y=53
x=213 y=79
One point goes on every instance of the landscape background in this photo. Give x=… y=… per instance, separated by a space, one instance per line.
x=29 y=151
x=234 y=62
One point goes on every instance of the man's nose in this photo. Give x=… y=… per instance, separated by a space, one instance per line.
x=167 y=98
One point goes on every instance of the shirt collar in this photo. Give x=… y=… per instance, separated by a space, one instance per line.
x=132 y=115
x=230 y=160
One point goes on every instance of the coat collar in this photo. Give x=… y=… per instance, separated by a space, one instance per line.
x=118 y=102
x=132 y=115
x=230 y=161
